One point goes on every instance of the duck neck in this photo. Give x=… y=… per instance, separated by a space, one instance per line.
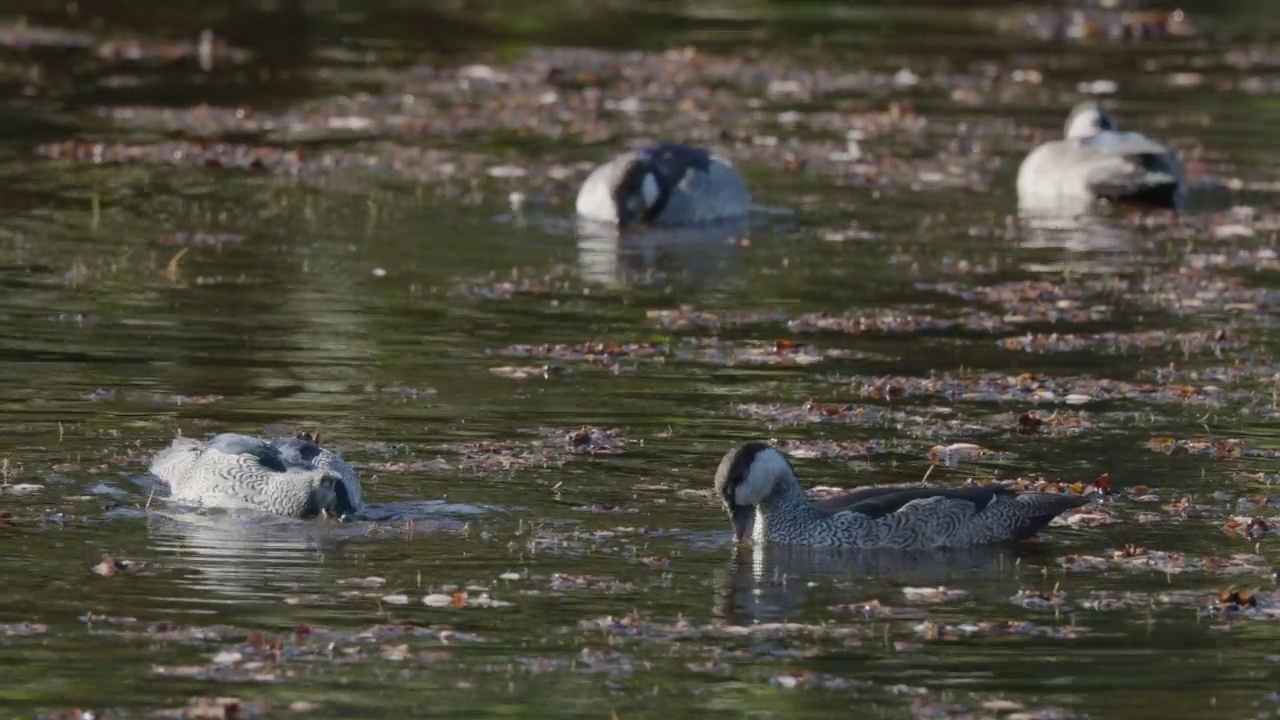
x=782 y=513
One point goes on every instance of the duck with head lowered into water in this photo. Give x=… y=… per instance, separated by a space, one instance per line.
x=1094 y=161
x=758 y=487
x=663 y=184
x=285 y=476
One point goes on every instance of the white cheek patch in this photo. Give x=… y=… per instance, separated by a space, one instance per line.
x=766 y=471
x=650 y=190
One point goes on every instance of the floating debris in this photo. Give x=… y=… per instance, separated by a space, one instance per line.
x=992 y=387
x=934 y=595
x=874 y=609
x=407 y=393
x=1198 y=341
x=413 y=466
x=845 y=450
x=564 y=582
x=814 y=680
x=109 y=566
x=553 y=448
x=634 y=626
x=1134 y=600
x=593 y=96
x=1136 y=558
x=23 y=629
x=603 y=352
x=586 y=439
x=951 y=455
x=918 y=422
x=894 y=322
x=924 y=708
x=200 y=239
x=1252 y=529
x=686 y=317
x=486 y=457
x=1039 y=599
x=220 y=708
x=1216 y=448
x=934 y=631
x=463 y=599
x=1092 y=23
x=525 y=372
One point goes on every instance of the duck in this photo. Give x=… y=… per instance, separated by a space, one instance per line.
x=1097 y=161
x=758 y=487
x=663 y=184
x=293 y=477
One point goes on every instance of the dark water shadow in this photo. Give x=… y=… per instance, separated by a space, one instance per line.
x=767 y=583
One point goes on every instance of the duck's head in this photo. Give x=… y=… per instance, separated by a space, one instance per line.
x=748 y=475
x=637 y=191
x=1087 y=119
x=330 y=495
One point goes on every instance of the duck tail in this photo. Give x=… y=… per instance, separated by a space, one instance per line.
x=173 y=462
x=1039 y=509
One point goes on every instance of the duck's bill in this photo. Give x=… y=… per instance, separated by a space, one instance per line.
x=742 y=522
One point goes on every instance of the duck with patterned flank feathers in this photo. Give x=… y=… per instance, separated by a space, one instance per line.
x=1097 y=161
x=758 y=486
x=664 y=184
x=287 y=476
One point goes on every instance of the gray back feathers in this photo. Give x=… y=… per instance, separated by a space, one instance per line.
x=294 y=477
x=901 y=517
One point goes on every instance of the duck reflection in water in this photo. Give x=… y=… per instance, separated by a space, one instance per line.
x=689 y=256
x=243 y=556
x=768 y=582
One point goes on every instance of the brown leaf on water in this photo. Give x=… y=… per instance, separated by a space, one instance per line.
x=1102 y=483
x=1032 y=599
x=1228 y=449
x=109 y=566
x=1255 y=529
x=1232 y=596
x=1029 y=424
x=1130 y=550
x=1162 y=445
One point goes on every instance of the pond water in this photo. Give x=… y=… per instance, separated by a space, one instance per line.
x=367 y=231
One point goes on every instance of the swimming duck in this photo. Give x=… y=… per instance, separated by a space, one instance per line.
x=664 y=184
x=1096 y=161
x=758 y=485
x=286 y=476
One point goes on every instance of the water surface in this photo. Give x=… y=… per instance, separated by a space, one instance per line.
x=374 y=304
